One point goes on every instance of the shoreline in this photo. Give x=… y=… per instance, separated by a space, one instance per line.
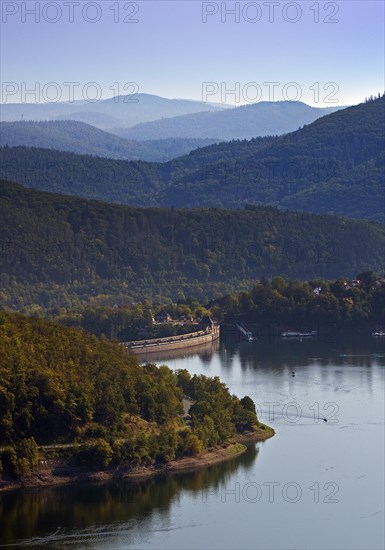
x=47 y=478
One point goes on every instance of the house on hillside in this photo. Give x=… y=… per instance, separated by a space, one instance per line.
x=163 y=317
x=355 y=283
x=186 y=319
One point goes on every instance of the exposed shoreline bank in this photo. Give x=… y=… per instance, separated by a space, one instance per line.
x=48 y=478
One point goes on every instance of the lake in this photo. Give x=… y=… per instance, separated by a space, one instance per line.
x=314 y=485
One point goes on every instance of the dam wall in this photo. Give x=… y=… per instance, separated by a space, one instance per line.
x=171 y=343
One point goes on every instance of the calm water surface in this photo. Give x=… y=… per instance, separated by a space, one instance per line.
x=314 y=485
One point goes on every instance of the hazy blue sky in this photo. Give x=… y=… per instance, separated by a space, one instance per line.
x=170 y=51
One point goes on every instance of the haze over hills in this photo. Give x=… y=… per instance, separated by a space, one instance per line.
x=335 y=164
x=117 y=112
x=173 y=137
x=69 y=135
x=60 y=250
x=245 y=122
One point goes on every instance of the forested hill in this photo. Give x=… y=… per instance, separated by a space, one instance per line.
x=263 y=118
x=61 y=385
x=78 y=137
x=58 y=250
x=336 y=164
x=134 y=183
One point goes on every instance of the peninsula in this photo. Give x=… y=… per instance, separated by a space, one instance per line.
x=78 y=407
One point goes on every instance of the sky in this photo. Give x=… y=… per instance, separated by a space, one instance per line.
x=322 y=53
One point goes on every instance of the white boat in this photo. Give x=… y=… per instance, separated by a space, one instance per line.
x=297 y=334
x=245 y=334
x=379 y=333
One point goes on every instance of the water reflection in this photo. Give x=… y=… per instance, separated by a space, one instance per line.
x=281 y=353
x=56 y=514
x=344 y=381
x=281 y=358
x=204 y=351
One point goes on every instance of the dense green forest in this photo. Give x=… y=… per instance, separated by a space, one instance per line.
x=135 y=321
x=90 y=177
x=335 y=165
x=348 y=303
x=60 y=251
x=65 y=386
x=81 y=175
x=70 y=135
x=277 y=303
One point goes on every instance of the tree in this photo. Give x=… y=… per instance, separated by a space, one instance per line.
x=248 y=404
x=97 y=453
x=367 y=279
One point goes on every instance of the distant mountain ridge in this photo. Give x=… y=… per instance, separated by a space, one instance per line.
x=69 y=135
x=246 y=122
x=172 y=137
x=119 y=111
x=333 y=165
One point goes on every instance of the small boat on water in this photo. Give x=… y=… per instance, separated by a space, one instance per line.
x=379 y=333
x=245 y=333
x=297 y=334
